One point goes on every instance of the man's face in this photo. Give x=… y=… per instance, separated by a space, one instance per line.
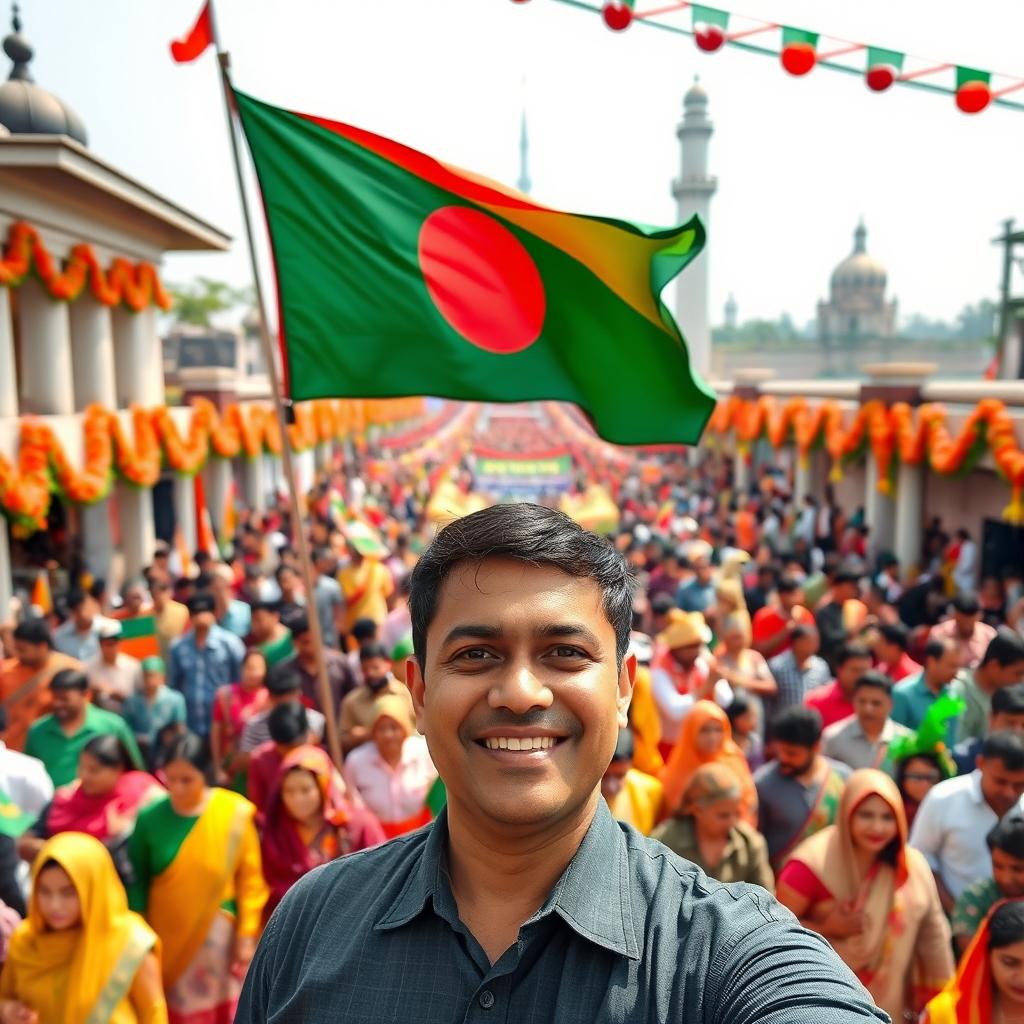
x=520 y=654
x=686 y=657
x=304 y=646
x=287 y=581
x=68 y=704
x=375 y=669
x=109 y=649
x=789 y=599
x=1008 y=874
x=83 y=614
x=702 y=570
x=872 y=707
x=965 y=624
x=805 y=646
x=204 y=621
x=613 y=778
x=32 y=655
x=844 y=591
x=1003 y=721
x=1001 y=787
x=941 y=671
x=264 y=622
x=794 y=760
x=885 y=652
x=850 y=671
x=1007 y=675
x=134 y=599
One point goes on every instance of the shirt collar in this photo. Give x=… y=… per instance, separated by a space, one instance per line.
x=592 y=896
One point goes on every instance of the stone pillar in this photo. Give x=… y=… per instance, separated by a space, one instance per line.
x=97 y=539
x=324 y=455
x=138 y=368
x=6 y=583
x=255 y=487
x=46 y=377
x=135 y=505
x=305 y=471
x=217 y=479
x=896 y=521
x=909 y=516
x=185 y=510
x=8 y=374
x=92 y=353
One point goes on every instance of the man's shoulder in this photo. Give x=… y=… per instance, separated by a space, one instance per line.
x=839 y=728
x=907 y=685
x=820 y=693
x=844 y=771
x=767 y=774
x=949 y=791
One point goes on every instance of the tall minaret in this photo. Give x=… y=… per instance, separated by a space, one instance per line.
x=524 y=184
x=693 y=191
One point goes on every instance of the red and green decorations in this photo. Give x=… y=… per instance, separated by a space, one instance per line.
x=437 y=281
x=800 y=50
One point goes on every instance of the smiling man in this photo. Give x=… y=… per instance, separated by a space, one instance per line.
x=525 y=900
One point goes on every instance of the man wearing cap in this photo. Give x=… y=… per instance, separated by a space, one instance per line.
x=203 y=660
x=79 y=637
x=153 y=706
x=357 y=708
x=683 y=672
x=113 y=675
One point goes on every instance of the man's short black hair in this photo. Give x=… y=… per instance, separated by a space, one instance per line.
x=364 y=629
x=847 y=575
x=1008 y=836
x=788 y=585
x=1006 y=648
x=662 y=604
x=267 y=606
x=935 y=649
x=850 y=651
x=76 y=597
x=895 y=633
x=1004 y=746
x=373 y=650
x=288 y=723
x=33 y=631
x=69 y=679
x=625 y=746
x=283 y=678
x=297 y=622
x=802 y=631
x=877 y=680
x=201 y=602
x=966 y=604
x=1008 y=700
x=531 y=534
x=799 y=726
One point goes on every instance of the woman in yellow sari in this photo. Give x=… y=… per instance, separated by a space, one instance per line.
x=199 y=882
x=989 y=984
x=81 y=956
x=861 y=886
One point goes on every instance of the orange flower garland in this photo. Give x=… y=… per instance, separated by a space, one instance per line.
x=137 y=456
x=136 y=286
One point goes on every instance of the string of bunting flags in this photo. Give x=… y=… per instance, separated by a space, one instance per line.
x=801 y=50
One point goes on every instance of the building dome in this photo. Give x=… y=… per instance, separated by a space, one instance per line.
x=695 y=95
x=859 y=270
x=27 y=108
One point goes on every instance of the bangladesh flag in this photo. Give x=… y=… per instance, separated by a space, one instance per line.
x=400 y=275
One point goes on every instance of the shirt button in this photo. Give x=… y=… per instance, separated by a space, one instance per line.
x=486 y=999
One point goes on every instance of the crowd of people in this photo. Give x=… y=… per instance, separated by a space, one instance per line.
x=808 y=716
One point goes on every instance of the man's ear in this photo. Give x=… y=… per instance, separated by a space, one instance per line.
x=417 y=687
x=627 y=677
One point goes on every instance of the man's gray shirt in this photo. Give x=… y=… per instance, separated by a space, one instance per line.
x=630 y=932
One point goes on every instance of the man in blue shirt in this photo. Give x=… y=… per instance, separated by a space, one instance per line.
x=525 y=900
x=912 y=697
x=697 y=594
x=204 y=659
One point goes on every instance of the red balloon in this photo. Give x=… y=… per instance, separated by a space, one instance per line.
x=798 y=58
x=973 y=97
x=709 y=37
x=617 y=16
x=880 y=76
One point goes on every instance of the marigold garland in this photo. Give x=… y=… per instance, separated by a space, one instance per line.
x=136 y=286
x=892 y=432
x=137 y=456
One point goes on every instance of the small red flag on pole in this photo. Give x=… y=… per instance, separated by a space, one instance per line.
x=201 y=36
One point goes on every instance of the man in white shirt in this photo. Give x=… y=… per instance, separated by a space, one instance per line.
x=113 y=675
x=957 y=815
x=23 y=779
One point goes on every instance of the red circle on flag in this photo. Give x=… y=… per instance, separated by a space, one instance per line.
x=482 y=279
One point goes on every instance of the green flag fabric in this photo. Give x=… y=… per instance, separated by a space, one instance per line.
x=14 y=822
x=400 y=275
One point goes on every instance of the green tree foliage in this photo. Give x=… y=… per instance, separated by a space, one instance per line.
x=199 y=300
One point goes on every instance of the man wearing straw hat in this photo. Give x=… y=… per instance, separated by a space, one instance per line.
x=525 y=899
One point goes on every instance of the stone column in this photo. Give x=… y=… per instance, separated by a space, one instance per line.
x=92 y=353
x=896 y=522
x=747 y=385
x=135 y=506
x=185 y=510
x=6 y=583
x=138 y=368
x=324 y=454
x=46 y=377
x=217 y=478
x=254 y=481
x=97 y=538
x=8 y=375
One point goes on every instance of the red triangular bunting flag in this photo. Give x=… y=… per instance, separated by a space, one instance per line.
x=201 y=36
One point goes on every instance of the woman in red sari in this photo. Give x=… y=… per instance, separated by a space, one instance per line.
x=309 y=822
x=989 y=983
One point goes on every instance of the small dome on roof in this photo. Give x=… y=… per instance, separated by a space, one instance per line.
x=859 y=270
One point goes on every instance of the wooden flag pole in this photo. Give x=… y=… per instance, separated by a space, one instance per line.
x=284 y=413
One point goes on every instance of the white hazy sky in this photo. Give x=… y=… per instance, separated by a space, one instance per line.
x=798 y=160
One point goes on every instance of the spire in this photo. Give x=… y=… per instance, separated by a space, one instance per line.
x=18 y=48
x=860 y=237
x=524 y=184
